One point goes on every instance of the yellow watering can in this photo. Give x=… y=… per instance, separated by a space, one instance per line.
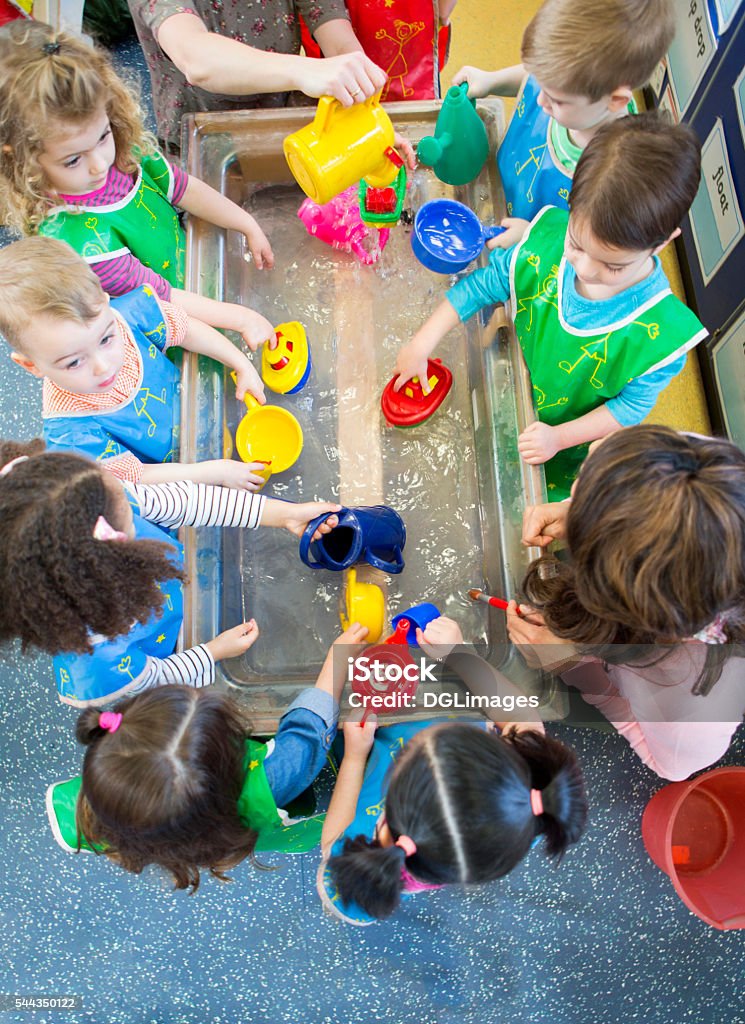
x=270 y=435
x=341 y=146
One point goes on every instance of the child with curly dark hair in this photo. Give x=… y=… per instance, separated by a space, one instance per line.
x=90 y=573
x=172 y=777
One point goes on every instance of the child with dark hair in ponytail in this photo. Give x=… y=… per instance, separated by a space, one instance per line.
x=172 y=777
x=90 y=572
x=462 y=805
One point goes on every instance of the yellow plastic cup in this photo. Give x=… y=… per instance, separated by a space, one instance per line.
x=364 y=603
x=270 y=435
x=340 y=146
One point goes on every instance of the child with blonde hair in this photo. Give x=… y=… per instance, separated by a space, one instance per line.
x=581 y=60
x=90 y=572
x=110 y=392
x=601 y=332
x=77 y=164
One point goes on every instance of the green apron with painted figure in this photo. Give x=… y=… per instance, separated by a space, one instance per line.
x=144 y=223
x=575 y=371
x=277 y=832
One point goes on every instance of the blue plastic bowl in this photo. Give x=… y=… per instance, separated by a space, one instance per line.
x=448 y=236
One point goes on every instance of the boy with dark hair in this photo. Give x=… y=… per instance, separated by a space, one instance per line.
x=601 y=332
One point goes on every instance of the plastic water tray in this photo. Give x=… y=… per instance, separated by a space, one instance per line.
x=456 y=479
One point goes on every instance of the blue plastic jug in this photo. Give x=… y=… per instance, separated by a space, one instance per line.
x=374 y=534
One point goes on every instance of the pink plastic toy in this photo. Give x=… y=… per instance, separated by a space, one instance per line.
x=338 y=223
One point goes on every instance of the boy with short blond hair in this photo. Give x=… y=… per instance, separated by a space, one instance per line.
x=581 y=61
x=110 y=392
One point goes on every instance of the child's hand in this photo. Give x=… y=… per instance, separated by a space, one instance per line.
x=247 y=379
x=243 y=476
x=544 y=523
x=259 y=246
x=411 y=362
x=538 y=443
x=254 y=328
x=297 y=517
x=516 y=228
x=538 y=645
x=353 y=635
x=358 y=739
x=439 y=638
x=478 y=81
x=406 y=150
x=234 y=642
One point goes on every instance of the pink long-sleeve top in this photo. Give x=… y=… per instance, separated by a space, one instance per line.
x=124 y=273
x=674 y=731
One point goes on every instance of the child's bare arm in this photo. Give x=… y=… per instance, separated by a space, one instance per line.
x=333 y=674
x=254 y=328
x=412 y=357
x=505 y=82
x=540 y=442
x=205 y=340
x=203 y=201
x=343 y=805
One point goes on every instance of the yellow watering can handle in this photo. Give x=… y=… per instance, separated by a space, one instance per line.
x=248 y=398
x=328 y=105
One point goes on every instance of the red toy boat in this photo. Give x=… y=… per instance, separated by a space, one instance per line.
x=410 y=406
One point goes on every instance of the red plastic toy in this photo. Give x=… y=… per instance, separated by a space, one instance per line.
x=381 y=200
x=410 y=406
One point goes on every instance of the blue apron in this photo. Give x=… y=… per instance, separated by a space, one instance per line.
x=105 y=674
x=147 y=426
x=532 y=176
x=388 y=744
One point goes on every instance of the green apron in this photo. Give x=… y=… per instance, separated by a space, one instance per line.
x=143 y=223
x=575 y=371
x=256 y=806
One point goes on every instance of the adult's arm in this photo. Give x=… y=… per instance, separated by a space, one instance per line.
x=221 y=65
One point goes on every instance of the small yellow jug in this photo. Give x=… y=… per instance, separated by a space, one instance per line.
x=341 y=146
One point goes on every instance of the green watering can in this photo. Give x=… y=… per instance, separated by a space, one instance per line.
x=459 y=148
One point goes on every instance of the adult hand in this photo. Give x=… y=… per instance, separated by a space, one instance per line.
x=234 y=642
x=538 y=443
x=545 y=523
x=349 y=77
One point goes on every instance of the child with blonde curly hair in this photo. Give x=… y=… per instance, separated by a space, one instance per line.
x=76 y=163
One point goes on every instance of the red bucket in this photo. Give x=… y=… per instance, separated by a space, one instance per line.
x=695 y=832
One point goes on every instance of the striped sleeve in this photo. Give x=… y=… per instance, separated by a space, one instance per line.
x=180 y=181
x=186 y=503
x=195 y=667
x=121 y=274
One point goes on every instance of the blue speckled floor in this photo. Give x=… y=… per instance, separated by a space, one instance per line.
x=602 y=940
